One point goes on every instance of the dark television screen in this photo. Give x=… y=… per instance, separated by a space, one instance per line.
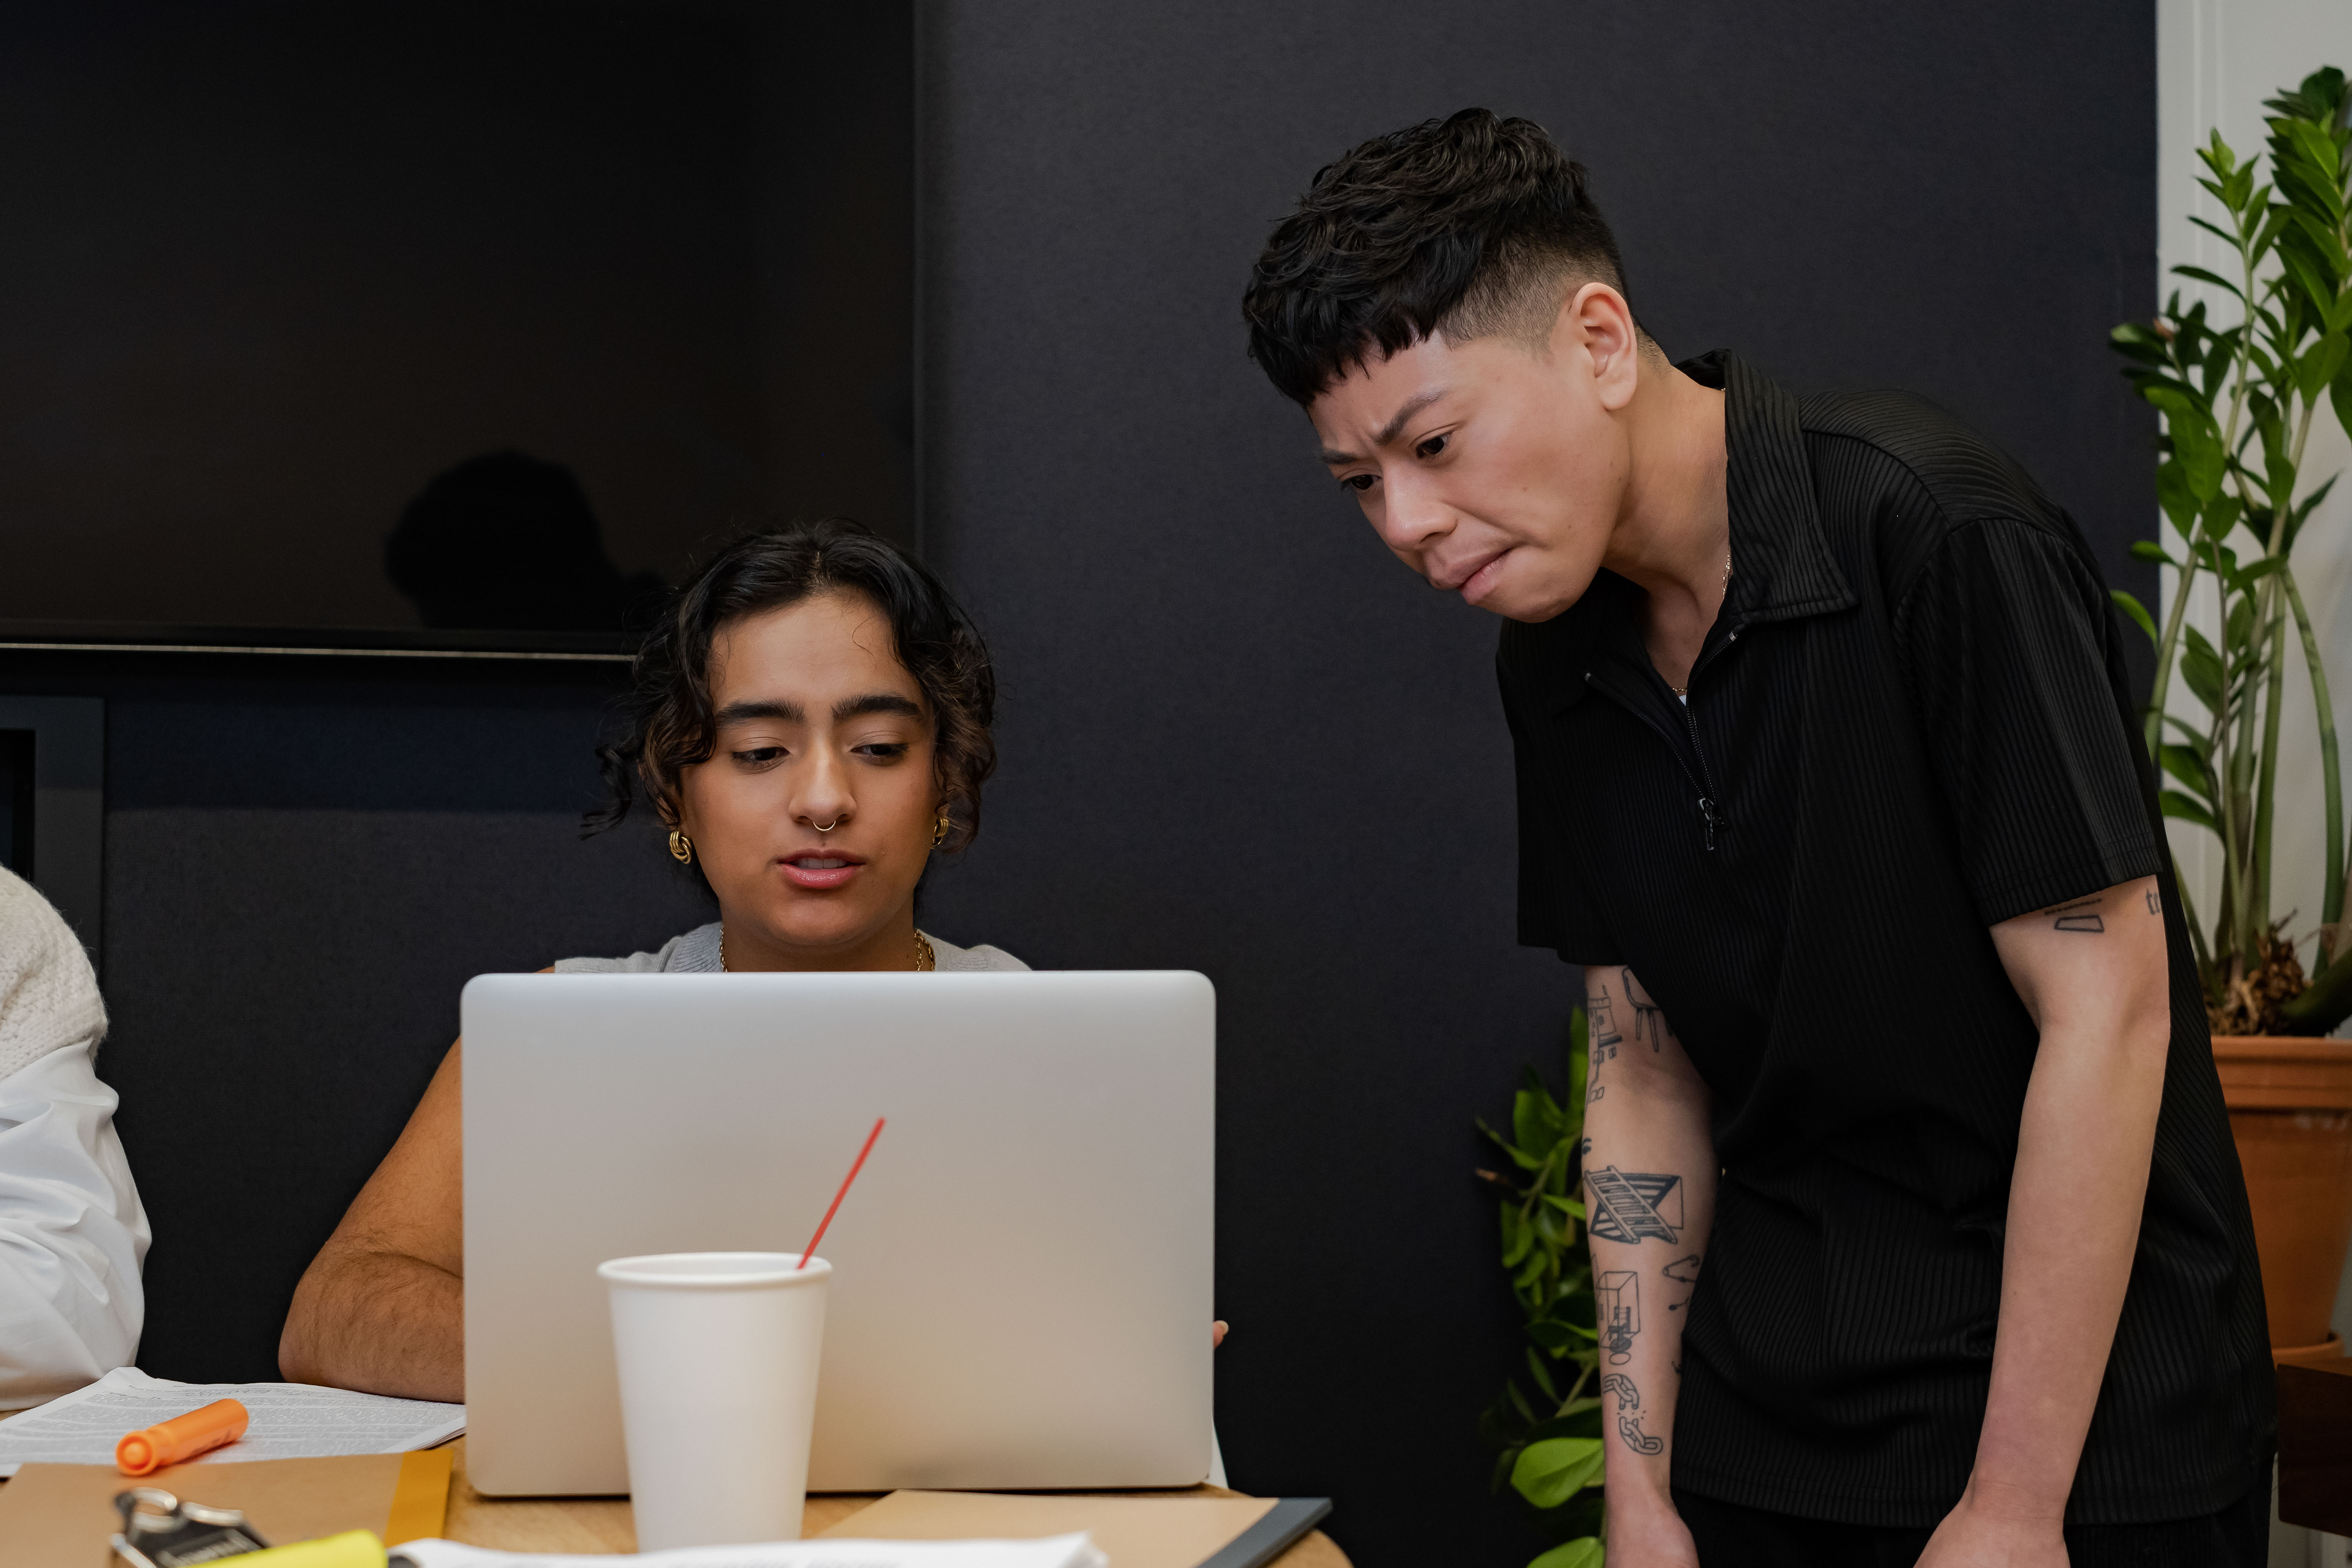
x=434 y=324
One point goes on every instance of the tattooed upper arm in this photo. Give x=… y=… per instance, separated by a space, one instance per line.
x=2079 y=915
x=1615 y=1003
x=2122 y=971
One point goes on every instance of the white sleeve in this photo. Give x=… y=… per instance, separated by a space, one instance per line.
x=72 y=1233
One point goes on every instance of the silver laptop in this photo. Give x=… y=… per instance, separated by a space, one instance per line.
x=1022 y=1286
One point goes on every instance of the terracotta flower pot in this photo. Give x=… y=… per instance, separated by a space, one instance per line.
x=2291 y=1112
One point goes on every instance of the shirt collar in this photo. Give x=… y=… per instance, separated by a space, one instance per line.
x=1782 y=565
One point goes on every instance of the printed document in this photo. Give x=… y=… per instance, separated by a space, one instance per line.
x=1052 y=1552
x=290 y=1421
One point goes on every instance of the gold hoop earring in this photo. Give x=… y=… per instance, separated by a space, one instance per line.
x=681 y=848
x=941 y=829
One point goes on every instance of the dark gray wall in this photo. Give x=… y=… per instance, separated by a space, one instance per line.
x=1238 y=738
x=305 y=860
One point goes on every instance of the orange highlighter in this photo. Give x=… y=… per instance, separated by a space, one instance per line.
x=181 y=1437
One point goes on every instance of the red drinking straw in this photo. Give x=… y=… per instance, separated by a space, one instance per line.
x=810 y=1250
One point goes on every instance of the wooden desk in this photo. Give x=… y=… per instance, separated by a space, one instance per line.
x=602 y=1524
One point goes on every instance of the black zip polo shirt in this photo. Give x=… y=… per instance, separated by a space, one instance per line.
x=1909 y=723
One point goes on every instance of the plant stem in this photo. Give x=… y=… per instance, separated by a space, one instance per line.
x=2236 y=856
x=2331 y=906
x=2266 y=786
x=1574 y=1393
x=2188 y=919
x=2231 y=802
x=2164 y=655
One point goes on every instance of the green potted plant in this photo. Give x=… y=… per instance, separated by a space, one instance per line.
x=2238 y=403
x=1547 y=1434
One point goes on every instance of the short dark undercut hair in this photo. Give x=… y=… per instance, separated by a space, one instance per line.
x=1471 y=226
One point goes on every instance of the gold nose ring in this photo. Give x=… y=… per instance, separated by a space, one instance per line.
x=827 y=828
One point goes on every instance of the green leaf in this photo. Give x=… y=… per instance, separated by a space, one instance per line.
x=2321 y=365
x=1565 y=1205
x=2199 y=740
x=1556 y=1337
x=1535 y=1122
x=2204 y=277
x=1542 y=1376
x=2268 y=235
x=2196 y=439
x=1519 y=1157
x=2222 y=514
x=2178 y=805
x=2247 y=576
x=1579 y=1063
x=2172 y=493
x=2201 y=666
x=1517 y=1237
x=2238 y=631
x=2187 y=763
x=1550 y=1472
x=2223 y=235
x=1584 y=1551
x=1577 y=1418
x=2317 y=289
x=2303 y=511
x=2136 y=611
x=2149 y=549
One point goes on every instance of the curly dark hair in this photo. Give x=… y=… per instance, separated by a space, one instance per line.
x=1465 y=225
x=668 y=721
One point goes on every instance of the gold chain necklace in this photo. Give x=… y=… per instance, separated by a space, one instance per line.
x=1685 y=691
x=926 y=958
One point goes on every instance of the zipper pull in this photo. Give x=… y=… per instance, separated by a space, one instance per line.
x=1713 y=817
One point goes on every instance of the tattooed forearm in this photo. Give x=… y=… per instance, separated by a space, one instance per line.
x=1649 y=1019
x=1635 y=1206
x=1628 y=1415
x=1682 y=1271
x=2082 y=915
x=1601 y=1026
x=1618 y=1294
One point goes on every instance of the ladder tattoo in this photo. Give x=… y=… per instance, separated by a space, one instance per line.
x=1635 y=1205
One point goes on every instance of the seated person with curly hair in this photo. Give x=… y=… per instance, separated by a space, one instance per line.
x=810 y=719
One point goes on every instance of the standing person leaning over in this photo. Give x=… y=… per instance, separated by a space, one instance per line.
x=1822 y=732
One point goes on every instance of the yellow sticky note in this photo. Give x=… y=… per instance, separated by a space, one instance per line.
x=352 y=1549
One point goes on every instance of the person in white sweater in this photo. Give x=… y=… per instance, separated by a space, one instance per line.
x=72 y=1233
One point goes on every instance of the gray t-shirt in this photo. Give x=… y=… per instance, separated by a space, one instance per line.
x=696 y=953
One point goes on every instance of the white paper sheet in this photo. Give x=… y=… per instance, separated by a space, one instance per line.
x=290 y=1421
x=1052 y=1551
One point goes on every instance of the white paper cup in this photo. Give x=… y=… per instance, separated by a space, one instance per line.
x=718 y=1358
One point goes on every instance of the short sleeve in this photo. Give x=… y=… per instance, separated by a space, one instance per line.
x=2004 y=636
x=1556 y=907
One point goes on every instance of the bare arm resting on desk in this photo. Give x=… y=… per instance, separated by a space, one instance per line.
x=1649 y=1192
x=383 y=1307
